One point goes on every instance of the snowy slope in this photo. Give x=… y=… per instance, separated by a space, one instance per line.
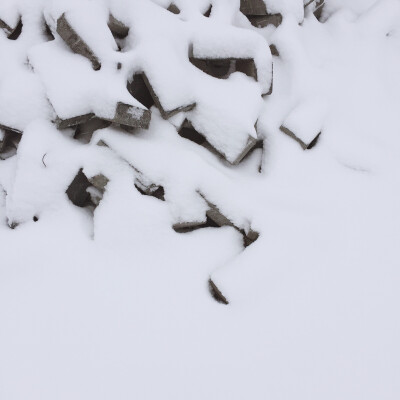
x=111 y=302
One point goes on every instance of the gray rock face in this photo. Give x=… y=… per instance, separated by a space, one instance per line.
x=75 y=42
x=256 y=12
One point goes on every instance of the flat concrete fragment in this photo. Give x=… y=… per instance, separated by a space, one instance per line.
x=117 y=28
x=131 y=116
x=12 y=32
x=75 y=42
x=173 y=8
x=70 y=122
x=305 y=146
x=222 y=67
x=77 y=190
x=84 y=131
x=261 y=21
x=253 y=7
x=146 y=92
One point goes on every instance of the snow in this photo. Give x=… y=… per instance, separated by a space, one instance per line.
x=112 y=303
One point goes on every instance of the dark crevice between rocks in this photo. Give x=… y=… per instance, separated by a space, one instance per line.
x=142 y=90
x=15 y=34
x=304 y=146
x=216 y=293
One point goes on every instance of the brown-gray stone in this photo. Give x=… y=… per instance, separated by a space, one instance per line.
x=117 y=28
x=75 y=42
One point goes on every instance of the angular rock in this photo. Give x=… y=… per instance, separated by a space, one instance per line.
x=216 y=293
x=117 y=28
x=84 y=131
x=141 y=88
x=173 y=8
x=12 y=32
x=70 y=122
x=253 y=7
x=256 y=12
x=75 y=42
x=131 y=116
x=149 y=189
x=222 y=67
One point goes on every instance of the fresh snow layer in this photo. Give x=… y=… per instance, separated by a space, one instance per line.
x=113 y=303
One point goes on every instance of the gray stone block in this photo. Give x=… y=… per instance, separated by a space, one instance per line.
x=141 y=88
x=173 y=8
x=75 y=42
x=305 y=146
x=12 y=32
x=74 y=121
x=117 y=28
x=253 y=7
x=131 y=116
x=222 y=67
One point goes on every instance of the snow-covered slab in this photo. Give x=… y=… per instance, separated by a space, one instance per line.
x=249 y=50
x=80 y=93
x=85 y=29
x=305 y=122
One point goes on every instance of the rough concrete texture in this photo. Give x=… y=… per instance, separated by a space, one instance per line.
x=131 y=116
x=77 y=190
x=261 y=21
x=141 y=88
x=70 y=122
x=11 y=32
x=173 y=8
x=75 y=42
x=84 y=131
x=222 y=67
x=305 y=146
x=117 y=28
x=253 y=7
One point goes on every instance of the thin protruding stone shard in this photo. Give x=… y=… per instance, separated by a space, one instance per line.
x=117 y=28
x=149 y=189
x=256 y=12
x=75 y=42
x=216 y=293
x=142 y=90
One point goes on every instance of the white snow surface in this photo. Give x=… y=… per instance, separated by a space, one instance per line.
x=116 y=305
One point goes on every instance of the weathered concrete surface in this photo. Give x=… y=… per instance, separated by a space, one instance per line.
x=253 y=7
x=97 y=188
x=11 y=32
x=261 y=21
x=117 y=28
x=131 y=116
x=75 y=42
x=70 y=122
x=305 y=146
x=77 y=190
x=173 y=8
x=84 y=131
x=141 y=88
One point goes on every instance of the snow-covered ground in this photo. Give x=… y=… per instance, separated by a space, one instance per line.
x=114 y=304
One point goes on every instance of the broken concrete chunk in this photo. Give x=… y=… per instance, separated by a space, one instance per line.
x=86 y=192
x=305 y=122
x=173 y=8
x=131 y=116
x=149 y=189
x=12 y=32
x=77 y=190
x=222 y=67
x=253 y=7
x=70 y=122
x=216 y=293
x=75 y=42
x=141 y=88
x=251 y=143
x=274 y=50
x=319 y=5
x=305 y=145
x=117 y=28
x=261 y=21
x=85 y=130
